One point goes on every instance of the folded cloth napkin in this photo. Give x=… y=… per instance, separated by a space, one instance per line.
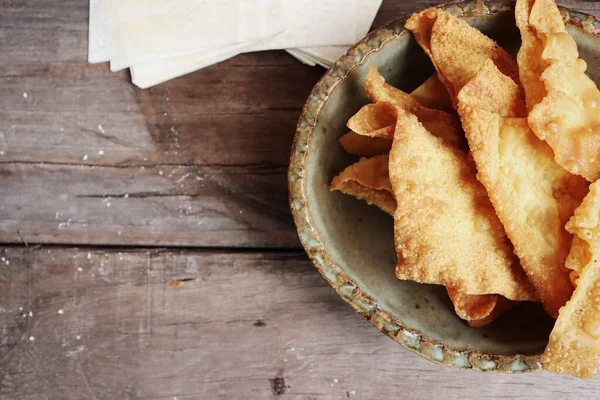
x=133 y=30
x=161 y=39
x=327 y=55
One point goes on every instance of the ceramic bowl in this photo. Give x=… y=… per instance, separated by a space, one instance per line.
x=351 y=243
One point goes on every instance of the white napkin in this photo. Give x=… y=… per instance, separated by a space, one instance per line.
x=307 y=23
x=327 y=55
x=152 y=73
x=305 y=59
x=161 y=39
x=140 y=30
x=324 y=56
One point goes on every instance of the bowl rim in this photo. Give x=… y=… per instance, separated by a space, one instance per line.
x=357 y=55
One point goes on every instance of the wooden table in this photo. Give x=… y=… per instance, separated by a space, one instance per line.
x=148 y=250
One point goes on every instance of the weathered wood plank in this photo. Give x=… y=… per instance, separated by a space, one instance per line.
x=167 y=205
x=231 y=123
x=227 y=114
x=242 y=319
x=238 y=112
x=229 y=325
x=57 y=109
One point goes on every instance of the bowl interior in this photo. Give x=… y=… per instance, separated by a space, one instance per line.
x=359 y=238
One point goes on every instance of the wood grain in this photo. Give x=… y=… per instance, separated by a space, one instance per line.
x=70 y=130
x=199 y=161
x=152 y=324
x=174 y=205
x=82 y=133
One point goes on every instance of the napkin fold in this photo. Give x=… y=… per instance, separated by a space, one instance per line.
x=325 y=56
x=161 y=39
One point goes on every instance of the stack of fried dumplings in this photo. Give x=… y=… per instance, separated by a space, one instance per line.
x=489 y=170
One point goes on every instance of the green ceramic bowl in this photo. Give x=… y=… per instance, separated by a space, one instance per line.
x=351 y=243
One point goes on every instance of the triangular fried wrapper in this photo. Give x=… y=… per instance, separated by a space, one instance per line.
x=533 y=196
x=569 y=121
x=368 y=180
x=536 y=53
x=361 y=145
x=574 y=263
x=372 y=118
x=479 y=310
x=387 y=132
x=529 y=57
x=560 y=47
x=545 y=17
x=491 y=90
x=377 y=120
x=446 y=230
x=574 y=345
x=457 y=50
x=440 y=123
x=359 y=180
x=563 y=100
x=433 y=94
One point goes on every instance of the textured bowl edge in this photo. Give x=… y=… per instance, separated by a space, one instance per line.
x=414 y=341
